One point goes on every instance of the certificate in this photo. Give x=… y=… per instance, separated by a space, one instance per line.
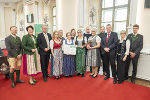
x=70 y=49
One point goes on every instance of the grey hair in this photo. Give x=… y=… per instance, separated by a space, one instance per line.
x=94 y=29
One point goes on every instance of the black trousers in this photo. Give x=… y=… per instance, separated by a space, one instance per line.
x=120 y=68
x=134 y=63
x=104 y=68
x=44 y=58
x=110 y=58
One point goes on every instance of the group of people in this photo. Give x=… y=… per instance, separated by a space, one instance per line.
x=90 y=50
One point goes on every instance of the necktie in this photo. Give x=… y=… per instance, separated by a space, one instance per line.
x=107 y=39
x=46 y=37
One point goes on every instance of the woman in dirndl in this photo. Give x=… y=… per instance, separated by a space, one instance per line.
x=57 y=54
x=73 y=34
x=122 y=51
x=80 y=53
x=93 y=54
x=31 y=58
x=68 y=59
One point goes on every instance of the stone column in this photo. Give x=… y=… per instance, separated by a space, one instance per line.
x=67 y=14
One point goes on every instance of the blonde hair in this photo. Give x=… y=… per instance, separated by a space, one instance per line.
x=54 y=35
x=79 y=31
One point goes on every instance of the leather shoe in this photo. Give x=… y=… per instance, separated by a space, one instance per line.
x=48 y=76
x=115 y=81
x=94 y=76
x=12 y=84
x=133 y=80
x=45 y=79
x=78 y=74
x=91 y=74
x=35 y=81
x=82 y=75
x=119 y=82
x=31 y=83
x=19 y=81
x=106 y=78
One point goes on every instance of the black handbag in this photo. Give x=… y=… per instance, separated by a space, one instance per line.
x=4 y=69
x=4 y=65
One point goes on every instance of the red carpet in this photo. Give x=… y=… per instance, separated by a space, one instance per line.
x=74 y=88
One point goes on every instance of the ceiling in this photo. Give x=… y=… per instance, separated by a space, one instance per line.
x=4 y=1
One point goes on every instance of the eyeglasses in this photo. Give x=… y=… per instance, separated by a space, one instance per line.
x=122 y=33
x=135 y=28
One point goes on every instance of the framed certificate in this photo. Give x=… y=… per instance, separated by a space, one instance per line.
x=70 y=49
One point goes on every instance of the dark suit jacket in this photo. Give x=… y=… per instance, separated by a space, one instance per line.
x=1 y=52
x=87 y=35
x=41 y=43
x=112 y=42
x=13 y=47
x=101 y=34
x=137 y=45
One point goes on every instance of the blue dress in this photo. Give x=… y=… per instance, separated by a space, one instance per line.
x=51 y=70
x=68 y=62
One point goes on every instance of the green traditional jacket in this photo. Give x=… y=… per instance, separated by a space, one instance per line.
x=28 y=44
x=13 y=46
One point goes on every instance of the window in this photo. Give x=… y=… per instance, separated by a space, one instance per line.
x=54 y=18
x=115 y=12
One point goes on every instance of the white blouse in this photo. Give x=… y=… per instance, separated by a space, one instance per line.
x=98 y=39
x=127 y=45
x=52 y=43
x=68 y=42
x=85 y=39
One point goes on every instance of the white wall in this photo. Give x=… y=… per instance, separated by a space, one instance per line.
x=2 y=22
x=133 y=11
x=143 y=19
x=6 y=18
x=67 y=14
x=140 y=15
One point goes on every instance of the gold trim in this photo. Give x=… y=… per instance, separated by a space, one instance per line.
x=36 y=2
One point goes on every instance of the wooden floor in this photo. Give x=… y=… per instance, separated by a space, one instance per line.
x=141 y=82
